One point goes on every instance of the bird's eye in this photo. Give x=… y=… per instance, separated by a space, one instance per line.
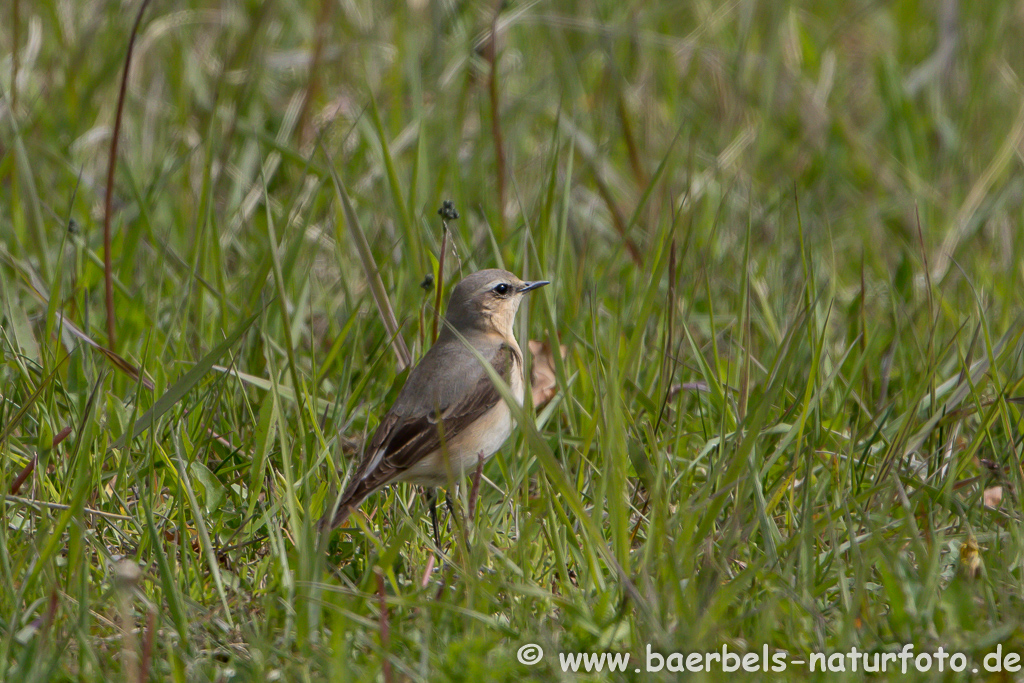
x=502 y=289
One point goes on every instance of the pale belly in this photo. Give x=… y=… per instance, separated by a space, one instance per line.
x=484 y=437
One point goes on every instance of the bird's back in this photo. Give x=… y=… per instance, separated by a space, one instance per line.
x=429 y=390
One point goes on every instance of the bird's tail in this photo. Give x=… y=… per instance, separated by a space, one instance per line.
x=348 y=501
x=333 y=518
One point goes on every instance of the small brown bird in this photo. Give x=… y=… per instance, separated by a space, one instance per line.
x=449 y=413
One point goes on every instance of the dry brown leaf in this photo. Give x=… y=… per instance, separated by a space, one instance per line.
x=993 y=496
x=542 y=378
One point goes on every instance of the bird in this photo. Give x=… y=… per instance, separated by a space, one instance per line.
x=449 y=415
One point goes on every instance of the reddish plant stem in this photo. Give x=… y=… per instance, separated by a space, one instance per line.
x=31 y=466
x=491 y=55
x=305 y=120
x=108 y=275
x=147 y=646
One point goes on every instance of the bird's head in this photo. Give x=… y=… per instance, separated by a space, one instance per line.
x=487 y=301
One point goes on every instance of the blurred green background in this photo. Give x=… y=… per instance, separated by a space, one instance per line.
x=786 y=247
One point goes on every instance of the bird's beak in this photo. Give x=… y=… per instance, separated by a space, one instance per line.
x=530 y=286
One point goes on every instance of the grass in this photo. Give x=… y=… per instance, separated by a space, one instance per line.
x=786 y=251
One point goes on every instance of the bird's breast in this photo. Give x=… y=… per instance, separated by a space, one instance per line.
x=483 y=437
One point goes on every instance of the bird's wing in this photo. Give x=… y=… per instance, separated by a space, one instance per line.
x=418 y=426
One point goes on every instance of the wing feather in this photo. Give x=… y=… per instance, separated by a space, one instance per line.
x=404 y=437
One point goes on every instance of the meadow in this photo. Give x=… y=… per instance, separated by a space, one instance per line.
x=786 y=246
